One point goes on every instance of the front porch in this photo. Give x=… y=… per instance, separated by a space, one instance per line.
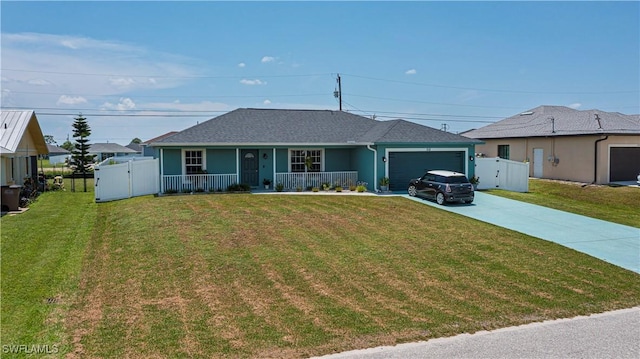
x=289 y=180
x=197 y=183
x=294 y=180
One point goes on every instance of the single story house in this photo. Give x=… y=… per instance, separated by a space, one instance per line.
x=303 y=148
x=102 y=151
x=21 y=141
x=562 y=143
x=58 y=155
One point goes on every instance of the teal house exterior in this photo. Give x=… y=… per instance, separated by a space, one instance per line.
x=305 y=148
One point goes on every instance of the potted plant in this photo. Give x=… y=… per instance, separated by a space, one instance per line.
x=474 y=181
x=266 y=182
x=384 y=184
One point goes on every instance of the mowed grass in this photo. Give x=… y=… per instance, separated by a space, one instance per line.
x=42 y=252
x=618 y=204
x=288 y=276
x=294 y=276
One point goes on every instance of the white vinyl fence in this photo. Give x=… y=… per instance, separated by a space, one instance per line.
x=503 y=174
x=136 y=177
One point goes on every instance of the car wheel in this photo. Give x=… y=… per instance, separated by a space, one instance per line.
x=468 y=202
x=412 y=191
x=440 y=198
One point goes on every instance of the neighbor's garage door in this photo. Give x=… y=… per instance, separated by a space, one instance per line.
x=624 y=163
x=403 y=166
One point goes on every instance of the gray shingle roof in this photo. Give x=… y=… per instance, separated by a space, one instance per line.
x=134 y=146
x=56 y=150
x=109 y=148
x=270 y=126
x=545 y=121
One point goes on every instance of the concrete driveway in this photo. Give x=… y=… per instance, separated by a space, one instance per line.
x=614 y=243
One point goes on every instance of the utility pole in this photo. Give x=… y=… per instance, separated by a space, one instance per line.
x=338 y=93
x=444 y=127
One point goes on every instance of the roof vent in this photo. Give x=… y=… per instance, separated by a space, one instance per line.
x=526 y=113
x=599 y=124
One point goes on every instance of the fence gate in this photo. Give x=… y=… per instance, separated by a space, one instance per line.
x=503 y=174
x=125 y=180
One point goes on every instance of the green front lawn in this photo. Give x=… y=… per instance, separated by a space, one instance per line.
x=42 y=253
x=278 y=275
x=617 y=204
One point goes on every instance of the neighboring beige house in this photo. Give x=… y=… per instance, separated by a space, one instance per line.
x=589 y=146
x=21 y=141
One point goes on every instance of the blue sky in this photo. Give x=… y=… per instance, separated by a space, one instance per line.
x=141 y=69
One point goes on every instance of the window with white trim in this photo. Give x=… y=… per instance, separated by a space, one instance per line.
x=193 y=161
x=306 y=160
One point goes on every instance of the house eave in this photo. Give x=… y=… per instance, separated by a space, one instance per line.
x=256 y=144
x=559 y=134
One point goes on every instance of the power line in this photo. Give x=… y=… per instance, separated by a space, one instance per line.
x=432 y=103
x=163 y=76
x=495 y=90
x=166 y=96
x=190 y=113
x=331 y=74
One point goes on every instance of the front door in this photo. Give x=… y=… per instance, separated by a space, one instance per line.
x=249 y=167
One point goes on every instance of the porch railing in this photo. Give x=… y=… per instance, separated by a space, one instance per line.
x=293 y=180
x=198 y=183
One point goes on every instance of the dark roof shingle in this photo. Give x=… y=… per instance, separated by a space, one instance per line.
x=271 y=126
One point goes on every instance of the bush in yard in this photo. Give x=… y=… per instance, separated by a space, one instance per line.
x=235 y=187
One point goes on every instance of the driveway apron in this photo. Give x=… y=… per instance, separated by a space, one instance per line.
x=614 y=243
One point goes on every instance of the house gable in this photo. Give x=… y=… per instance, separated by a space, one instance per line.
x=21 y=130
x=21 y=140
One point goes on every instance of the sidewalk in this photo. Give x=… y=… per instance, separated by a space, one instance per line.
x=614 y=243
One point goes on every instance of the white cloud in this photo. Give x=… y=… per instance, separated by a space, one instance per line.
x=71 y=100
x=39 y=82
x=242 y=64
x=266 y=102
x=124 y=105
x=104 y=67
x=575 y=106
x=122 y=82
x=70 y=44
x=266 y=59
x=252 y=82
x=411 y=72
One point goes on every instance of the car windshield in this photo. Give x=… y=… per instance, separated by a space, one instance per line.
x=457 y=179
